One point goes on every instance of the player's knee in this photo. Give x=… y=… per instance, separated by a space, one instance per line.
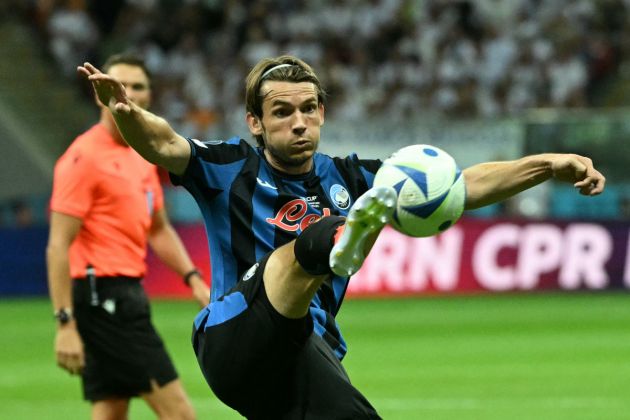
x=312 y=247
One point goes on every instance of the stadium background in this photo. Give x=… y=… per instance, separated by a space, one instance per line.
x=519 y=310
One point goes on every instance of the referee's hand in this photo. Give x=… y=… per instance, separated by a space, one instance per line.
x=69 y=349
x=200 y=290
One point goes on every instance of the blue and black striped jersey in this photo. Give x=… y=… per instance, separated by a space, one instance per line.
x=250 y=209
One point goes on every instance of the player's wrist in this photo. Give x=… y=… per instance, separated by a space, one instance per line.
x=186 y=278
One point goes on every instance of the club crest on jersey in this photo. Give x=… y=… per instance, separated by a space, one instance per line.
x=292 y=216
x=340 y=196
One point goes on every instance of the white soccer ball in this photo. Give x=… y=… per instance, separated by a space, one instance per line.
x=430 y=187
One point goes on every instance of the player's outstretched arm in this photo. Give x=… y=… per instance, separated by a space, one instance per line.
x=149 y=134
x=491 y=182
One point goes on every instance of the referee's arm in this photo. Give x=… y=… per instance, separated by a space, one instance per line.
x=168 y=246
x=68 y=343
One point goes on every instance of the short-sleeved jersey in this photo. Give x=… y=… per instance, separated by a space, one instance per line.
x=250 y=209
x=115 y=193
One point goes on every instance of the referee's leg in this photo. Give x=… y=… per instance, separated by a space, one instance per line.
x=169 y=401
x=112 y=408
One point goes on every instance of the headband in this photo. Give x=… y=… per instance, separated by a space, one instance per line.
x=279 y=66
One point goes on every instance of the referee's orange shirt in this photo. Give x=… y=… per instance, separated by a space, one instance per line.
x=115 y=192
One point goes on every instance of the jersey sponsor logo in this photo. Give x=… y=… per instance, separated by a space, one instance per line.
x=340 y=196
x=292 y=216
x=250 y=273
x=265 y=184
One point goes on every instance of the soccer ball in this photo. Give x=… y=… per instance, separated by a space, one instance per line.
x=430 y=187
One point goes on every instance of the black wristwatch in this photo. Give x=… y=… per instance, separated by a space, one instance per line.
x=63 y=315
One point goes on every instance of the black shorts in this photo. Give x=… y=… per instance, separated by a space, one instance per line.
x=122 y=348
x=267 y=366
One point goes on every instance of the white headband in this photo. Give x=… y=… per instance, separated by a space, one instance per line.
x=279 y=66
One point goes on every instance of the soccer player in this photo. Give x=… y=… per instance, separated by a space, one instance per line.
x=106 y=204
x=268 y=343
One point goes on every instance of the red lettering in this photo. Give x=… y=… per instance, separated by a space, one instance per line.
x=291 y=211
x=308 y=220
x=294 y=211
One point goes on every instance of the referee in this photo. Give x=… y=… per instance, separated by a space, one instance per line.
x=106 y=204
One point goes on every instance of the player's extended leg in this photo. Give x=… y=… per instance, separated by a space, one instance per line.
x=366 y=219
x=289 y=287
x=295 y=271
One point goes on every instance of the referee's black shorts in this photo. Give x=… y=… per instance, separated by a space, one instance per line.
x=123 y=351
x=267 y=366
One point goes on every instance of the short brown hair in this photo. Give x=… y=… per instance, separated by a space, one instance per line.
x=128 y=59
x=297 y=71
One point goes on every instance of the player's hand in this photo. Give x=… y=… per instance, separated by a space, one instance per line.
x=579 y=171
x=69 y=350
x=200 y=290
x=109 y=90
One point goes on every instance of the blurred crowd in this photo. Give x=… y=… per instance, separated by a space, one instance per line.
x=397 y=58
x=400 y=59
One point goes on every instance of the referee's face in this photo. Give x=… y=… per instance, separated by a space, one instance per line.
x=290 y=125
x=135 y=81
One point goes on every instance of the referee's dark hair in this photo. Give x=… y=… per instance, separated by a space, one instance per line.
x=129 y=59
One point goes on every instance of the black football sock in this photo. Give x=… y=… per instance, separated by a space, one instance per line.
x=312 y=247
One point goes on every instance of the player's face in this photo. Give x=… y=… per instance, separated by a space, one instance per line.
x=135 y=82
x=290 y=125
